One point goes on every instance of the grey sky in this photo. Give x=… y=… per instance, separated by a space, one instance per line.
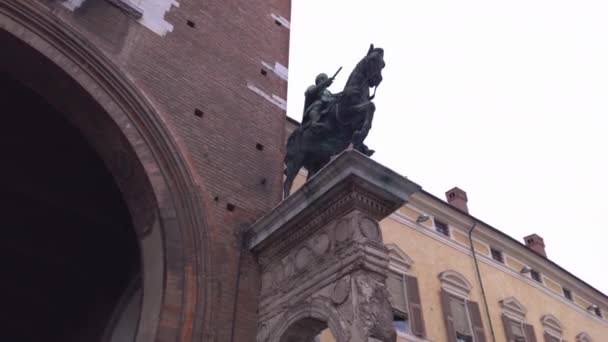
x=505 y=99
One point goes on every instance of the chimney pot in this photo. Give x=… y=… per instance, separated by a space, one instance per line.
x=457 y=198
x=536 y=243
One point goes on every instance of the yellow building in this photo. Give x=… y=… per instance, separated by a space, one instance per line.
x=455 y=278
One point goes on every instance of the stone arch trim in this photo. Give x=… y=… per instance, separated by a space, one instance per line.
x=183 y=264
x=513 y=308
x=583 y=337
x=455 y=282
x=318 y=309
x=551 y=324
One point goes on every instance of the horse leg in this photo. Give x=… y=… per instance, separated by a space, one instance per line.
x=312 y=170
x=315 y=167
x=359 y=135
x=291 y=170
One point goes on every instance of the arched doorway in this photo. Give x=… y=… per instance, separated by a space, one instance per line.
x=69 y=244
x=147 y=180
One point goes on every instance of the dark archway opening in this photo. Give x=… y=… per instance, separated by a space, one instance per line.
x=68 y=245
x=308 y=330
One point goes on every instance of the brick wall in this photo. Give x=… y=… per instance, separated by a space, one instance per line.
x=216 y=48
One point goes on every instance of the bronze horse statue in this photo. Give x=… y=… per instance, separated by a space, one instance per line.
x=346 y=121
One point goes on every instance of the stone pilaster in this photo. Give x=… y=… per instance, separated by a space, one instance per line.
x=322 y=258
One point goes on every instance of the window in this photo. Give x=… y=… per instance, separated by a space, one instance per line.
x=514 y=321
x=462 y=316
x=567 y=293
x=497 y=255
x=552 y=327
x=463 y=338
x=536 y=276
x=401 y=322
x=442 y=228
x=405 y=299
x=404 y=294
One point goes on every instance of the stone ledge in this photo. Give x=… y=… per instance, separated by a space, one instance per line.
x=127 y=7
x=349 y=167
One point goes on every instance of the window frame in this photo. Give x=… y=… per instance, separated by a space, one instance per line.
x=540 y=276
x=467 y=313
x=499 y=252
x=399 y=265
x=456 y=286
x=552 y=327
x=403 y=288
x=440 y=226
x=514 y=311
x=583 y=337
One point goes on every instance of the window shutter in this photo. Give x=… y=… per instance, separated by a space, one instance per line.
x=394 y=283
x=530 y=335
x=476 y=322
x=549 y=338
x=447 y=315
x=508 y=332
x=415 y=306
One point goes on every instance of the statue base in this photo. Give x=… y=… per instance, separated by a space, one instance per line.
x=322 y=258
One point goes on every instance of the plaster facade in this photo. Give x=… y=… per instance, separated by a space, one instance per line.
x=432 y=253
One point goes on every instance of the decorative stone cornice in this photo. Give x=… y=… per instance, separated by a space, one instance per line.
x=350 y=181
x=399 y=260
x=455 y=282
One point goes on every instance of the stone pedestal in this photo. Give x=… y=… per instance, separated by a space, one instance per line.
x=322 y=258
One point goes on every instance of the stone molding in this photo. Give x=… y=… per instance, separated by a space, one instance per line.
x=383 y=191
x=399 y=260
x=583 y=337
x=551 y=325
x=513 y=308
x=455 y=282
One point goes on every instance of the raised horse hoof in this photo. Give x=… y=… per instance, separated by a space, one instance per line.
x=369 y=153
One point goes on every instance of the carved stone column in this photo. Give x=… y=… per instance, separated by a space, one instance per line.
x=322 y=258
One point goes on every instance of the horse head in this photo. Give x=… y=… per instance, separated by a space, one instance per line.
x=374 y=63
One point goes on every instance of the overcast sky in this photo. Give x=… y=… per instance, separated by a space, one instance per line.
x=505 y=99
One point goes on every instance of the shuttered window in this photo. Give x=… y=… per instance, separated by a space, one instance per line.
x=551 y=338
x=462 y=318
x=414 y=306
x=517 y=331
x=396 y=287
x=405 y=298
x=530 y=335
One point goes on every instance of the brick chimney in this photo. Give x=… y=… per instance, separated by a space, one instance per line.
x=457 y=198
x=536 y=244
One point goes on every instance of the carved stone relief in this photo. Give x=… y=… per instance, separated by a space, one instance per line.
x=327 y=267
x=322 y=258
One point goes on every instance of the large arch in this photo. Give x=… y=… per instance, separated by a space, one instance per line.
x=161 y=192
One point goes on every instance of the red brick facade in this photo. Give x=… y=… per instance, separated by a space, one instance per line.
x=207 y=175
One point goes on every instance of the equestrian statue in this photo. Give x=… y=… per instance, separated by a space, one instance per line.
x=332 y=123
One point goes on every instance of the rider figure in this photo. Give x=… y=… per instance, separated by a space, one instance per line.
x=317 y=98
